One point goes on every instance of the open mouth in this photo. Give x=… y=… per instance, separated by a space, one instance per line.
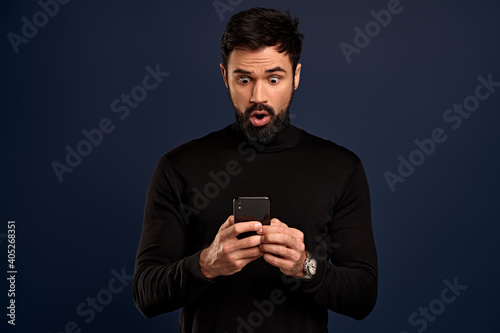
x=259 y=118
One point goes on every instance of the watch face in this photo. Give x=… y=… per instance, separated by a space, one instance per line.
x=312 y=266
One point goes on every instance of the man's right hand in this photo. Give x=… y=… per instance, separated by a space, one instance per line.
x=227 y=254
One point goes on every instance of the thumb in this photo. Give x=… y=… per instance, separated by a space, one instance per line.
x=229 y=222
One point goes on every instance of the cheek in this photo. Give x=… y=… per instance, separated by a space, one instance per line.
x=239 y=96
x=284 y=98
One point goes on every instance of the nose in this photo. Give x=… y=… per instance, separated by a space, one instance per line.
x=259 y=93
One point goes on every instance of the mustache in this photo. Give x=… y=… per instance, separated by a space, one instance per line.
x=260 y=107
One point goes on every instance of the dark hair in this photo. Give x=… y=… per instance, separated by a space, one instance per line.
x=257 y=28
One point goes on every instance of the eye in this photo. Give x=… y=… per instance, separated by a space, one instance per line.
x=274 y=79
x=243 y=79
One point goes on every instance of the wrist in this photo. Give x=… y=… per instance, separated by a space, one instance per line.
x=309 y=267
x=204 y=266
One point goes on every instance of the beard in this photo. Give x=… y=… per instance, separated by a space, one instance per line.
x=263 y=134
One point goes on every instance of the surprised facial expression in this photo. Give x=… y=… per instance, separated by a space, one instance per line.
x=261 y=84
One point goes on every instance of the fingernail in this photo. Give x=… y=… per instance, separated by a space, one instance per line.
x=259 y=231
x=257 y=226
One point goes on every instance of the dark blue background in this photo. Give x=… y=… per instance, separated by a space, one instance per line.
x=439 y=224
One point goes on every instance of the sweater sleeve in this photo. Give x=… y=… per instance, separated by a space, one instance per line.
x=347 y=284
x=166 y=276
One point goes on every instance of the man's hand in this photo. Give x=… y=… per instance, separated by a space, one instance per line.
x=287 y=243
x=228 y=254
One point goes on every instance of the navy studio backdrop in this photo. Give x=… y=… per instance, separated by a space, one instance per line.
x=412 y=87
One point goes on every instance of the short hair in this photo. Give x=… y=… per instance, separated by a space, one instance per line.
x=257 y=28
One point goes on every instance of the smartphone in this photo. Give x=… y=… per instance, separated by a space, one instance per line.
x=251 y=209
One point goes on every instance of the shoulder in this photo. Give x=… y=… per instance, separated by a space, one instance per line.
x=327 y=150
x=200 y=149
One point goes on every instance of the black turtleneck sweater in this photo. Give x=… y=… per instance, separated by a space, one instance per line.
x=313 y=184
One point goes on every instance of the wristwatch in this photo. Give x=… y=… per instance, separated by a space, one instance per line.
x=309 y=267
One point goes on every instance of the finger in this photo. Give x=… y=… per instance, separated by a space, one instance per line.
x=241 y=227
x=283 y=264
x=251 y=253
x=267 y=229
x=249 y=242
x=281 y=229
x=296 y=233
x=284 y=239
x=243 y=262
x=277 y=238
x=282 y=251
x=277 y=222
x=229 y=222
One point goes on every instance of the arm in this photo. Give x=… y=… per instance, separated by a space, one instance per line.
x=168 y=275
x=165 y=278
x=347 y=284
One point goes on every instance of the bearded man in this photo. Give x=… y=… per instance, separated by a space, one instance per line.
x=318 y=252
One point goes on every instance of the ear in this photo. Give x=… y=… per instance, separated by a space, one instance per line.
x=297 y=76
x=224 y=73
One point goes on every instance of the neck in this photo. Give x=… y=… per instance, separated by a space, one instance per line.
x=287 y=137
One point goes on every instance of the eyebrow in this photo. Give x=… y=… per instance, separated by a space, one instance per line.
x=272 y=70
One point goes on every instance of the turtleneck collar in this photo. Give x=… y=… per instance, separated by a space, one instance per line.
x=287 y=138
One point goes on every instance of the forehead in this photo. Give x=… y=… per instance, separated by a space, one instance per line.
x=262 y=59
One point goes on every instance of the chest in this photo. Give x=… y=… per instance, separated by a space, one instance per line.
x=303 y=191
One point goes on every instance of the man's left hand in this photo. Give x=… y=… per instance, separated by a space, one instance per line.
x=283 y=247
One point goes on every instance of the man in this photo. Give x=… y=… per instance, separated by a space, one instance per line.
x=317 y=254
